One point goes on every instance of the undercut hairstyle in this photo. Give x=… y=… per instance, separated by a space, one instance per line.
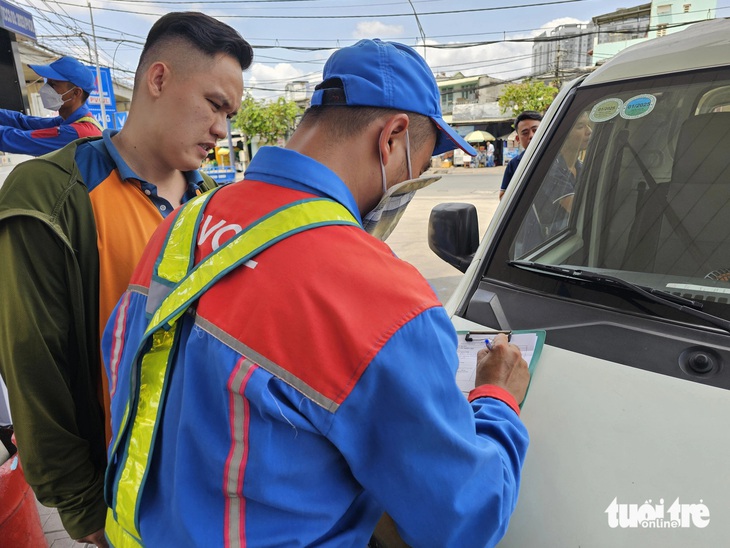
x=344 y=122
x=527 y=115
x=198 y=31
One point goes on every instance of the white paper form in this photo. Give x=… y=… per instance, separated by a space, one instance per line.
x=529 y=343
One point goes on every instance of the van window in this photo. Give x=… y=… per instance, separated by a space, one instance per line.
x=633 y=183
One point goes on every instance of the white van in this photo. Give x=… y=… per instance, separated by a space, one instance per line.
x=614 y=238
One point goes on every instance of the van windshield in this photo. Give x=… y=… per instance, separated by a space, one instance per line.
x=634 y=183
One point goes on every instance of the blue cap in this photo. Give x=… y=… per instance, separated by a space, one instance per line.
x=386 y=75
x=68 y=69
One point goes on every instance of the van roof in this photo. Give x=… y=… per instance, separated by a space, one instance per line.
x=701 y=45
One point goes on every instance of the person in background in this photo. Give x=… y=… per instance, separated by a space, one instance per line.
x=321 y=366
x=490 y=154
x=526 y=125
x=480 y=160
x=68 y=85
x=554 y=200
x=72 y=228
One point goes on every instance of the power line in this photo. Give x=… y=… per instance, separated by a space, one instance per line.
x=215 y=2
x=76 y=20
x=57 y=30
x=420 y=28
x=236 y=2
x=369 y=16
x=278 y=41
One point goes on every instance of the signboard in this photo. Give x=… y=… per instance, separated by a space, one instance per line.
x=110 y=116
x=120 y=118
x=110 y=103
x=508 y=152
x=16 y=20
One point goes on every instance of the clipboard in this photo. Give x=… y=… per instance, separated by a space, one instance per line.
x=530 y=342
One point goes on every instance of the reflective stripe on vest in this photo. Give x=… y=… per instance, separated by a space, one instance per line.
x=184 y=283
x=91 y=120
x=117 y=535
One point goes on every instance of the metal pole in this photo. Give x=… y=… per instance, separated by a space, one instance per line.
x=98 y=69
x=231 y=154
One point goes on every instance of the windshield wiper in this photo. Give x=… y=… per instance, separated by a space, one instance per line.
x=689 y=306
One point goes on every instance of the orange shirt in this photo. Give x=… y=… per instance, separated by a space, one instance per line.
x=127 y=211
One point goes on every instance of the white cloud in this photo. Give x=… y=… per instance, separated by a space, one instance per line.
x=376 y=29
x=560 y=21
x=266 y=81
x=503 y=60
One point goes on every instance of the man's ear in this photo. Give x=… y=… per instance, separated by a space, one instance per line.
x=393 y=135
x=156 y=78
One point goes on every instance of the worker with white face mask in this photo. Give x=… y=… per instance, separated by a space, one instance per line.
x=68 y=84
x=322 y=365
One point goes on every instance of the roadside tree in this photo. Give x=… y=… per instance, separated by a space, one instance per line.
x=529 y=95
x=267 y=121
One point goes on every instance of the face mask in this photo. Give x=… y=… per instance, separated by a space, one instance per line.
x=382 y=220
x=51 y=99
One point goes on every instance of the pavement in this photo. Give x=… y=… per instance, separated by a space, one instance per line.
x=54 y=532
x=8 y=162
x=409 y=241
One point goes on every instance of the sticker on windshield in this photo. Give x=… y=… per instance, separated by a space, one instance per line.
x=606 y=109
x=638 y=106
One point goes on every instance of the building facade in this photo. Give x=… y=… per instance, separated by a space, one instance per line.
x=458 y=89
x=625 y=27
x=469 y=103
x=562 y=48
x=299 y=92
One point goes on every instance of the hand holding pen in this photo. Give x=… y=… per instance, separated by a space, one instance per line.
x=501 y=364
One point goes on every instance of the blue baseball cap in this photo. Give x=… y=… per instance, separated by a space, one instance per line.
x=373 y=73
x=68 y=69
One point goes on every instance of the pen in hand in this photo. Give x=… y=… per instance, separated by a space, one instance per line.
x=501 y=364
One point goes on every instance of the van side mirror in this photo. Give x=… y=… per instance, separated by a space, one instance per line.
x=453 y=233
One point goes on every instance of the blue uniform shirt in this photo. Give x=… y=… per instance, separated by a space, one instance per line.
x=35 y=135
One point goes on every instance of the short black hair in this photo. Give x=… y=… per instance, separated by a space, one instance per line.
x=344 y=121
x=527 y=115
x=202 y=32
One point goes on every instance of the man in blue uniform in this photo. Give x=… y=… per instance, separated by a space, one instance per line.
x=68 y=85
x=321 y=366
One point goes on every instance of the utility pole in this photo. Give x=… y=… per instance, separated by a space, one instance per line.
x=98 y=69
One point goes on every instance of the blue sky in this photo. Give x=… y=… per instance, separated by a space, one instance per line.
x=293 y=38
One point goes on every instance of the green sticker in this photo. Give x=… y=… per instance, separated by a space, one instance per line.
x=605 y=110
x=638 y=106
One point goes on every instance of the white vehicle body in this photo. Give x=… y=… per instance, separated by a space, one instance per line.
x=628 y=406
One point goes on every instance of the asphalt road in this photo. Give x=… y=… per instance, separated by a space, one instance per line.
x=409 y=240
